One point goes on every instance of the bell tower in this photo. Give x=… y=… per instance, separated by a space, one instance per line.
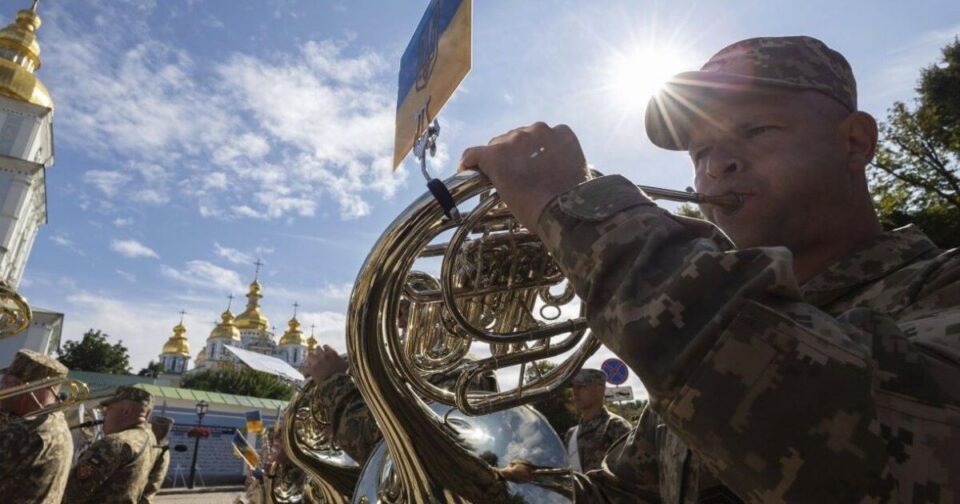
x=26 y=144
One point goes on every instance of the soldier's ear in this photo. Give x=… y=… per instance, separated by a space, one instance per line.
x=860 y=134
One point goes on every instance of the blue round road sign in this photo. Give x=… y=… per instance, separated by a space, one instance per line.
x=616 y=371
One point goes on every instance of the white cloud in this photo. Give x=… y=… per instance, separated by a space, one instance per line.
x=122 y=221
x=109 y=182
x=132 y=248
x=206 y=275
x=61 y=240
x=233 y=255
x=143 y=326
x=253 y=136
x=130 y=277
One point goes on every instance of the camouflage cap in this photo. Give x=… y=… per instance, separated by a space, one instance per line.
x=161 y=426
x=589 y=377
x=127 y=393
x=31 y=366
x=797 y=63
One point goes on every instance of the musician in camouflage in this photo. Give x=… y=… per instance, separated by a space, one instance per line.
x=115 y=469
x=598 y=428
x=35 y=450
x=803 y=354
x=160 y=425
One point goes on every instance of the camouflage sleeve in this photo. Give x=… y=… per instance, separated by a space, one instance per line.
x=157 y=474
x=630 y=472
x=354 y=429
x=773 y=393
x=92 y=469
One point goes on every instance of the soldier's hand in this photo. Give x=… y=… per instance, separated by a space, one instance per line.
x=529 y=167
x=517 y=472
x=325 y=362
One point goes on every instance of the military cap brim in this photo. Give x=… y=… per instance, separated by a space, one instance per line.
x=680 y=101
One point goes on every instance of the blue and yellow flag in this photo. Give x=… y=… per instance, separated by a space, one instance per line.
x=432 y=66
x=246 y=452
x=254 y=421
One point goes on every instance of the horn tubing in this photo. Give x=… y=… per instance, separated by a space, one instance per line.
x=730 y=201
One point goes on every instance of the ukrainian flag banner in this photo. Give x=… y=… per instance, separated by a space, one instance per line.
x=254 y=421
x=432 y=66
x=246 y=452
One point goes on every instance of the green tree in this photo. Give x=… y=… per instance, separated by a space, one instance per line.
x=915 y=175
x=630 y=410
x=153 y=370
x=688 y=210
x=558 y=408
x=93 y=353
x=239 y=380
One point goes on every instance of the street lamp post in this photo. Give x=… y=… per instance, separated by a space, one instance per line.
x=201 y=410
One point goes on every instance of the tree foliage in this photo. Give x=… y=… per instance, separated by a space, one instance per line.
x=630 y=410
x=153 y=370
x=558 y=408
x=915 y=174
x=94 y=353
x=688 y=210
x=239 y=380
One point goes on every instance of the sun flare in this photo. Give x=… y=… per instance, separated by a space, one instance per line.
x=634 y=74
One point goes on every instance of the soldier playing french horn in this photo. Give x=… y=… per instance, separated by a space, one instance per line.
x=803 y=354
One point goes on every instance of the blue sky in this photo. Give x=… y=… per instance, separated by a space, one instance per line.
x=193 y=136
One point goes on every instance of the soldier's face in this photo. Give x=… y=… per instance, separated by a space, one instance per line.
x=586 y=397
x=10 y=404
x=120 y=415
x=784 y=152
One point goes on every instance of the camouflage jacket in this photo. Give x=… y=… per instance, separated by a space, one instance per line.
x=114 y=470
x=35 y=458
x=595 y=436
x=158 y=472
x=843 y=390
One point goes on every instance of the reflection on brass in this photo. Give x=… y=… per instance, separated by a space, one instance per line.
x=331 y=474
x=15 y=313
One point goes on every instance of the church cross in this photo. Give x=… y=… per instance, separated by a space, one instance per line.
x=259 y=263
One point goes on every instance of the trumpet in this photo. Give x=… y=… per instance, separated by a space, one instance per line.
x=73 y=393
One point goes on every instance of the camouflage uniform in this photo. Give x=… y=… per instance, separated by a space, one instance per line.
x=596 y=435
x=35 y=453
x=115 y=469
x=842 y=390
x=161 y=462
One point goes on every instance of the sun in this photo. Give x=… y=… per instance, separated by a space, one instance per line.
x=632 y=75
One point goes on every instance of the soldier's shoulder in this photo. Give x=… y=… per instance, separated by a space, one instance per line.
x=133 y=438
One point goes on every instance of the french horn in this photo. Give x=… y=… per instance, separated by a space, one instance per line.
x=330 y=473
x=483 y=281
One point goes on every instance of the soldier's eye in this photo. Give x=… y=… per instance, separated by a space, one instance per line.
x=756 y=131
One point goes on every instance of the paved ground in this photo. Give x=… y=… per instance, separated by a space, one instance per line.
x=198 y=498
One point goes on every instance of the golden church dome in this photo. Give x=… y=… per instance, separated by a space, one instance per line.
x=201 y=356
x=293 y=336
x=177 y=344
x=312 y=343
x=226 y=329
x=252 y=318
x=20 y=59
